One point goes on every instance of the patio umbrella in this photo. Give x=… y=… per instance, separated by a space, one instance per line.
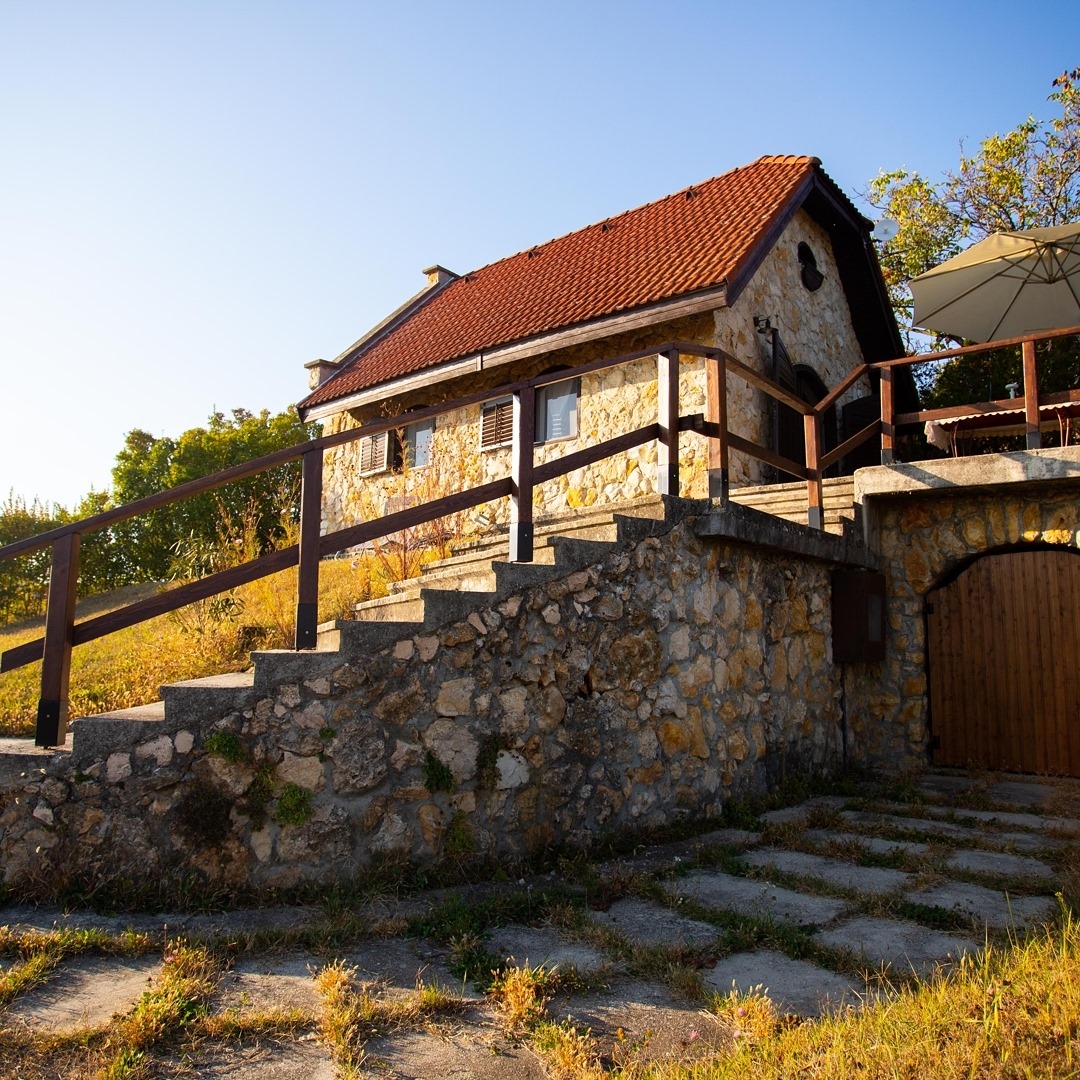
x=1008 y=285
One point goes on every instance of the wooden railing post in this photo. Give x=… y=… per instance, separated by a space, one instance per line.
x=667 y=402
x=815 y=514
x=521 y=498
x=888 y=412
x=1031 y=396
x=716 y=412
x=52 y=714
x=307 y=578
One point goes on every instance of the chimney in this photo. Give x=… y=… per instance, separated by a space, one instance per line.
x=439 y=275
x=319 y=371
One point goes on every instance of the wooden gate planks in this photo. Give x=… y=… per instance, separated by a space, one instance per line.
x=1004 y=662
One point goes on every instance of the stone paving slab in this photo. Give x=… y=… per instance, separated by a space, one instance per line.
x=793 y=986
x=871 y=879
x=399 y=964
x=663 y=855
x=218 y=924
x=271 y=982
x=541 y=946
x=647 y=924
x=874 y=844
x=85 y=991
x=990 y=906
x=655 y=1026
x=269 y=1059
x=797 y=813
x=1021 y=841
x=906 y=946
x=999 y=862
x=464 y=1053
x=762 y=899
x=1002 y=817
x=962 y=815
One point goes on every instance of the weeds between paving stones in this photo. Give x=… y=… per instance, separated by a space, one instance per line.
x=39 y=953
x=354 y=1013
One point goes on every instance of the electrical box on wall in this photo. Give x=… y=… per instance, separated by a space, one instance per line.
x=858 y=616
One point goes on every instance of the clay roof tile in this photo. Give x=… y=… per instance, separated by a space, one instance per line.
x=691 y=240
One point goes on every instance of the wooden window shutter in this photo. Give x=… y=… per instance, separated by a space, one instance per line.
x=373 y=453
x=497 y=423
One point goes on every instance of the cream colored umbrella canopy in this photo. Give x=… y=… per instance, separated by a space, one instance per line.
x=1009 y=285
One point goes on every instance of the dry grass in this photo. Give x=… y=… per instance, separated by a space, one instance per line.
x=126 y=668
x=355 y=1012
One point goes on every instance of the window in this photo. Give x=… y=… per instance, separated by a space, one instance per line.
x=374 y=453
x=496 y=423
x=556 y=410
x=811 y=276
x=418 y=438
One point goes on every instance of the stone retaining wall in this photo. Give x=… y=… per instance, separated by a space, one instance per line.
x=655 y=685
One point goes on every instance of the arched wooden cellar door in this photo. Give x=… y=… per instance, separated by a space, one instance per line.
x=1003 y=640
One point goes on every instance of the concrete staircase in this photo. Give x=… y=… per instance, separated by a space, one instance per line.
x=448 y=591
x=788 y=501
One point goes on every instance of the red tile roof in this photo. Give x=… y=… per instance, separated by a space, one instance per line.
x=693 y=240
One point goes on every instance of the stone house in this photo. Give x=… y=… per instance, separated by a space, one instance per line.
x=771 y=262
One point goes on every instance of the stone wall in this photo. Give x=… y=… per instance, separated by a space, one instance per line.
x=921 y=537
x=816 y=330
x=652 y=686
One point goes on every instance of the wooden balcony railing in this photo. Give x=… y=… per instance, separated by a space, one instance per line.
x=62 y=633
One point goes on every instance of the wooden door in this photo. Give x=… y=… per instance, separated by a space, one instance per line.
x=1003 y=640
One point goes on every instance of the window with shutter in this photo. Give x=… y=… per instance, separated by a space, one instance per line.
x=497 y=423
x=373 y=456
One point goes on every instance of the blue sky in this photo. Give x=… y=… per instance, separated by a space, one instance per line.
x=196 y=198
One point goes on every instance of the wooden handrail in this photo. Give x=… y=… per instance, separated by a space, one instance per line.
x=62 y=633
x=967 y=350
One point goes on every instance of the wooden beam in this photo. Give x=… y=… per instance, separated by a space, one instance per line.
x=52 y=716
x=848 y=445
x=1031 y=396
x=521 y=494
x=841 y=388
x=716 y=412
x=966 y=350
x=580 y=459
x=777 y=461
x=888 y=430
x=667 y=407
x=815 y=514
x=307 y=580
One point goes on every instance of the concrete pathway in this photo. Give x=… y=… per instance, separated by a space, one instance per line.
x=824 y=903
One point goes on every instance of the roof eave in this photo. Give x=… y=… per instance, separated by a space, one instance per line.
x=580 y=333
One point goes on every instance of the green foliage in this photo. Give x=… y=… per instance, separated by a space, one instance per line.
x=225 y=744
x=294 y=806
x=437 y=776
x=24 y=582
x=146 y=465
x=1026 y=178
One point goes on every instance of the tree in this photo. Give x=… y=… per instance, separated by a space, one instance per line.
x=146 y=465
x=1027 y=178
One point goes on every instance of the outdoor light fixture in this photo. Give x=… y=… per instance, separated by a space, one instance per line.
x=763 y=323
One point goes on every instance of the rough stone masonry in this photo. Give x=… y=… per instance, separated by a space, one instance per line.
x=649 y=687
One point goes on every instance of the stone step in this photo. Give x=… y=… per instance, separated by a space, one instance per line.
x=350 y=637
x=94 y=738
